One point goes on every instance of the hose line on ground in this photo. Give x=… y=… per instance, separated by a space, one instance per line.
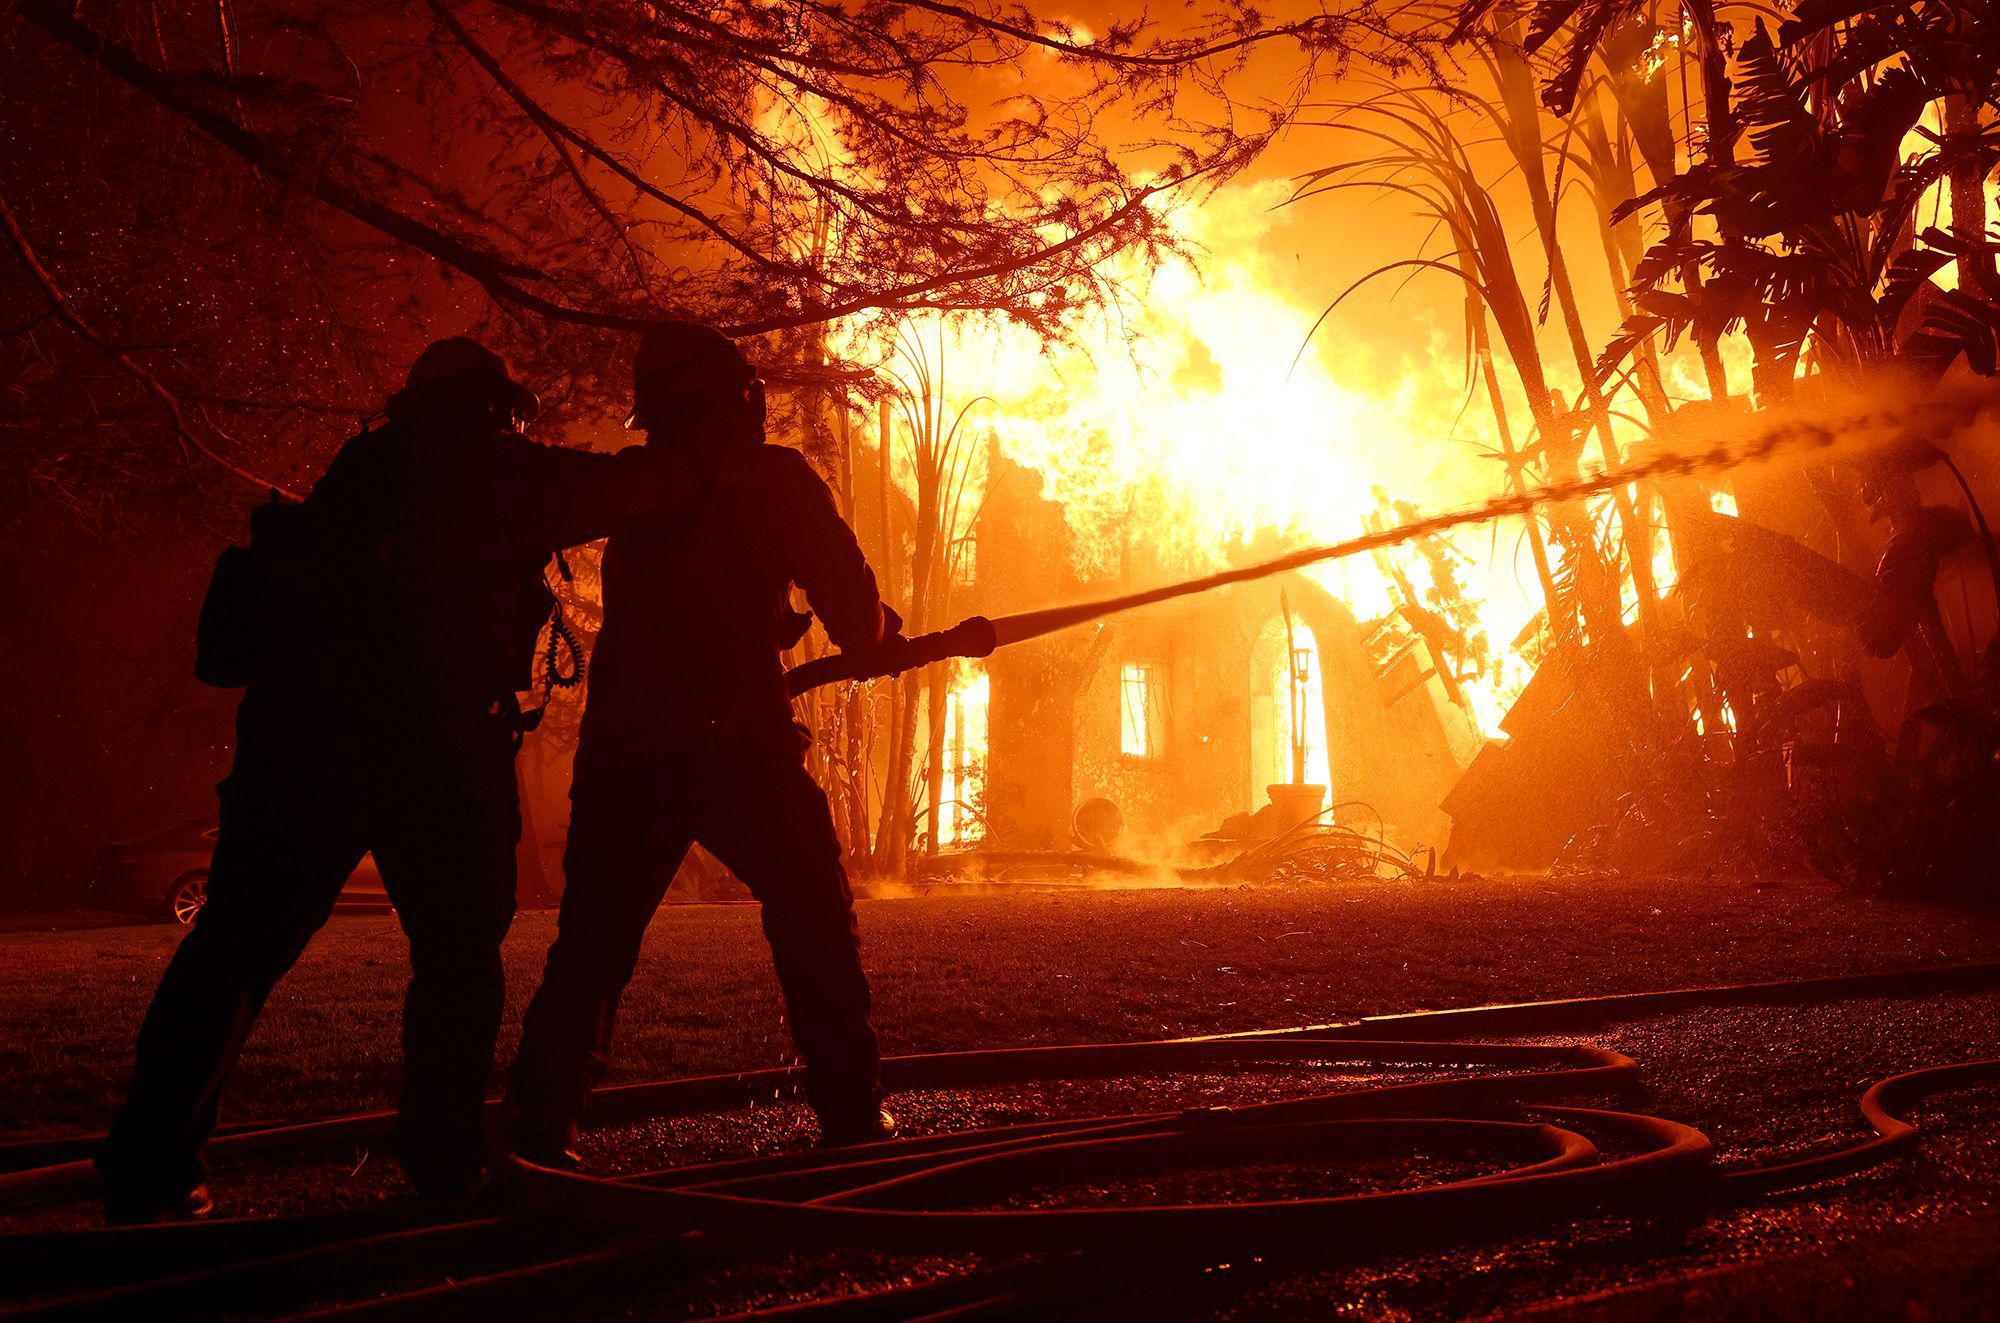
x=1543 y=1161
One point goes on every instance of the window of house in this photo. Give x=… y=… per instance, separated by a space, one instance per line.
x=1141 y=694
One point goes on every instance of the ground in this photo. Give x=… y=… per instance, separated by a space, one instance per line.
x=997 y=970
x=984 y=971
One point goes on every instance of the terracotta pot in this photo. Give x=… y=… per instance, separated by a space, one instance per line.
x=1295 y=804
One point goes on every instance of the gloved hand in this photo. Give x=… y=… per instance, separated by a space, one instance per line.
x=789 y=626
x=890 y=652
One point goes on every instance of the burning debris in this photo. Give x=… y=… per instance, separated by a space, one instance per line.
x=1773 y=742
x=1248 y=849
x=1323 y=849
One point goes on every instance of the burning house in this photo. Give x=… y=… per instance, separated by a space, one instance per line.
x=1190 y=716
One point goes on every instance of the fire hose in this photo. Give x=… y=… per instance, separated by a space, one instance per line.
x=1550 y=1162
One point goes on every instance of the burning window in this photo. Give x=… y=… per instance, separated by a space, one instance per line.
x=1139 y=722
x=962 y=805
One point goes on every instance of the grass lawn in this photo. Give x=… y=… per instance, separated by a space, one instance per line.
x=982 y=971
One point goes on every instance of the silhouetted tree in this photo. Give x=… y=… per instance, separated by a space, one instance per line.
x=245 y=218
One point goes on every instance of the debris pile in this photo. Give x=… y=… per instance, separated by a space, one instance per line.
x=1801 y=705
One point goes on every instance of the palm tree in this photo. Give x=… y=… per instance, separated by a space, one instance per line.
x=1817 y=259
x=944 y=467
x=1952 y=51
x=1518 y=118
x=1425 y=160
x=1619 y=34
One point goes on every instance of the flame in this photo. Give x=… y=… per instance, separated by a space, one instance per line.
x=1204 y=412
x=962 y=806
x=1210 y=410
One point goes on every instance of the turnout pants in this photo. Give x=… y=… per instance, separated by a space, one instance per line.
x=760 y=813
x=443 y=824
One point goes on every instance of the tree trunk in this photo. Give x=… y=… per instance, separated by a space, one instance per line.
x=937 y=689
x=1521 y=126
x=854 y=728
x=892 y=826
x=892 y=837
x=1622 y=249
x=1719 y=147
x=1482 y=345
x=1968 y=199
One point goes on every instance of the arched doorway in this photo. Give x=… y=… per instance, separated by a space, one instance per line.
x=1288 y=732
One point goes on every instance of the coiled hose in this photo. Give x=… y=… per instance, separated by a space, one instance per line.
x=1552 y=1162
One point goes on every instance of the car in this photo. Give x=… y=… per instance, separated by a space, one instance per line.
x=165 y=877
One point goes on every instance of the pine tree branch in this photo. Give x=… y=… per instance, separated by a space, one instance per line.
x=500 y=277
x=497 y=275
x=71 y=317
x=557 y=132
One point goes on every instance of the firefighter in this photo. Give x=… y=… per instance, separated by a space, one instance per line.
x=688 y=735
x=403 y=601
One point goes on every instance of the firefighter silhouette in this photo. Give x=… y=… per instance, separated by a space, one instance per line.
x=380 y=629
x=688 y=735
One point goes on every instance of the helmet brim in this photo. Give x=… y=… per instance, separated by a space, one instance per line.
x=527 y=405
x=522 y=402
x=662 y=389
